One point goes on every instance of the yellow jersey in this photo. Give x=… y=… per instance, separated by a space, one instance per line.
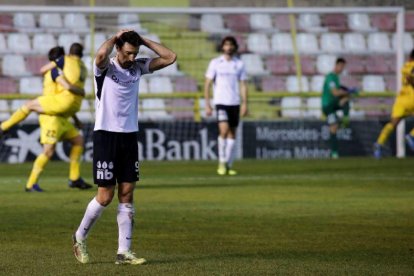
x=49 y=85
x=407 y=89
x=74 y=70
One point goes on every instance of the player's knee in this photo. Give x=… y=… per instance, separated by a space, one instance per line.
x=104 y=200
x=49 y=152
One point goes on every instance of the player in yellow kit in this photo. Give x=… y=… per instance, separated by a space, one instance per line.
x=403 y=107
x=56 y=128
x=68 y=100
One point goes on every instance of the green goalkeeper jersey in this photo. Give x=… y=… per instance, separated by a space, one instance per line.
x=331 y=81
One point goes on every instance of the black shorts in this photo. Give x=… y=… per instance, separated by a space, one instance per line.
x=115 y=158
x=228 y=113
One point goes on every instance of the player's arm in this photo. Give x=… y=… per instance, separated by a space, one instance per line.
x=77 y=122
x=243 y=94
x=47 y=67
x=338 y=92
x=166 y=56
x=102 y=55
x=68 y=86
x=207 y=86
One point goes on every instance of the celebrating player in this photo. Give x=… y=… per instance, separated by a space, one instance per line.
x=115 y=155
x=335 y=97
x=69 y=95
x=55 y=129
x=403 y=107
x=227 y=74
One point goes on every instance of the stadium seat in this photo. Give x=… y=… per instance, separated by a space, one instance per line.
x=261 y=22
x=89 y=85
x=6 y=23
x=3 y=44
x=130 y=21
x=19 y=43
x=317 y=83
x=76 y=22
x=355 y=64
x=4 y=110
x=273 y=84
x=350 y=81
x=154 y=109
x=258 y=43
x=379 y=43
x=331 y=43
x=213 y=23
x=242 y=43
x=32 y=118
x=51 y=21
x=279 y=65
x=409 y=21
x=24 y=22
x=254 y=65
x=291 y=107
x=282 y=43
x=42 y=43
x=355 y=43
x=373 y=83
x=160 y=85
x=100 y=38
x=383 y=22
x=65 y=40
x=359 y=22
x=85 y=114
x=292 y=84
x=282 y=22
x=143 y=86
x=377 y=64
x=87 y=60
x=307 y=43
x=335 y=22
x=325 y=63
x=31 y=85
x=314 y=106
x=171 y=70
x=14 y=66
x=33 y=63
x=307 y=64
x=238 y=22
x=185 y=84
x=8 y=86
x=391 y=83
x=408 y=42
x=310 y=22
x=188 y=104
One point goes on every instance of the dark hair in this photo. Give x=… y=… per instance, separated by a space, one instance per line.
x=76 y=49
x=230 y=39
x=340 y=60
x=131 y=37
x=412 y=54
x=55 y=53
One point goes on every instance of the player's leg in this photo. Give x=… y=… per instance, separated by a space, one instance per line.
x=21 y=114
x=39 y=164
x=75 y=180
x=410 y=136
x=344 y=106
x=223 y=128
x=233 y=113
x=103 y=171
x=127 y=175
x=332 y=120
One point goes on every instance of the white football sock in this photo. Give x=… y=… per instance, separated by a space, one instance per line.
x=230 y=151
x=125 y=220
x=92 y=213
x=221 y=149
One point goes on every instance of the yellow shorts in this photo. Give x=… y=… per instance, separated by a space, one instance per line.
x=54 y=129
x=63 y=104
x=403 y=106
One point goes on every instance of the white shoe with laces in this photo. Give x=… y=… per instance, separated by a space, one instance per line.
x=80 y=250
x=129 y=258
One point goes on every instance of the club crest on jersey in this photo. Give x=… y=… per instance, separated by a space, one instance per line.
x=132 y=71
x=115 y=78
x=104 y=170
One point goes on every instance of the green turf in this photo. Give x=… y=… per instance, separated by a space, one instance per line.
x=351 y=216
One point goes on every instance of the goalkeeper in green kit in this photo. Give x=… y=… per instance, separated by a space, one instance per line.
x=334 y=98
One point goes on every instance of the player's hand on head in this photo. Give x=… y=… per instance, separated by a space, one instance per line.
x=120 y=32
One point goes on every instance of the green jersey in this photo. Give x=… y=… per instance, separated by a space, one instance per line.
x=331 y=81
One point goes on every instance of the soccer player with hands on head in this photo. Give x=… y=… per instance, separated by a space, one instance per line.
x=115 y=155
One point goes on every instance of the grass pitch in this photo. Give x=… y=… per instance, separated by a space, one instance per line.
x=350 y=216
